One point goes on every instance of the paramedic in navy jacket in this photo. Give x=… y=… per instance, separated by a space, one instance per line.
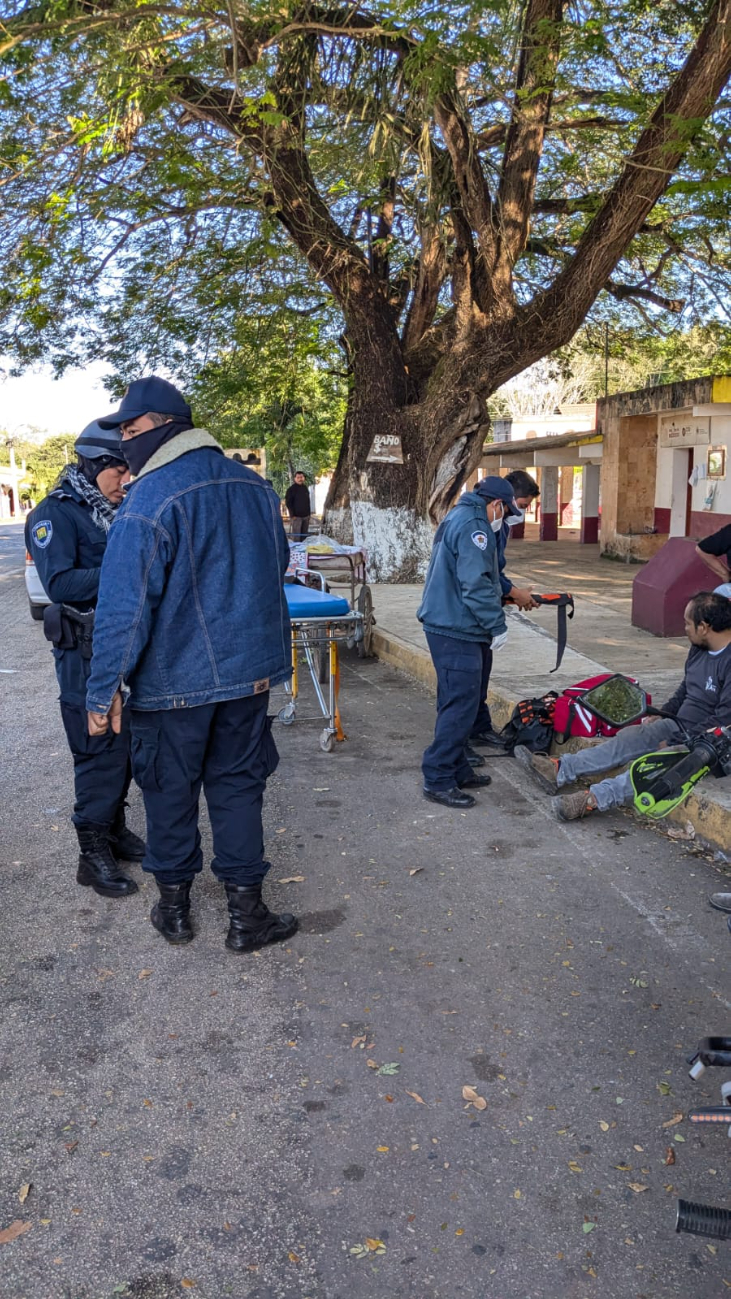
x=192 y=624
x=66 y=535
x=464 y=622
x=526 y=490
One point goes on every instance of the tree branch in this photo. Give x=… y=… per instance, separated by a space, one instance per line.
x=624 y=291
x=432 y=267
x=469 y=178
x=498 y=134
x=539 y=53
x=645 y=177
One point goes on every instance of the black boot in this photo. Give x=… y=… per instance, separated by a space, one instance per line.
x=252 y=923
x=171 y=915
x=98 y=866
x=126 y=845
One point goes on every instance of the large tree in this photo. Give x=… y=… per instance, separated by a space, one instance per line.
x=460 y=183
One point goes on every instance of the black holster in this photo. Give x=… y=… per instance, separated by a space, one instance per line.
x=68 y=628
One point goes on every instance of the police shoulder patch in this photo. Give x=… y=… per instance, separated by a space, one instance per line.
x=42 y=533
x=480 y=540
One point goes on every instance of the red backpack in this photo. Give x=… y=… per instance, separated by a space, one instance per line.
x=572 y=718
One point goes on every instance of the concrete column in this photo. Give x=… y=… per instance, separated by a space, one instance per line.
x=549 y=504
x=590 y=504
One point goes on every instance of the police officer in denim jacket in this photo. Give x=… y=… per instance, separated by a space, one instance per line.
x=192 y=623
x=66 y=535
x=462 y=615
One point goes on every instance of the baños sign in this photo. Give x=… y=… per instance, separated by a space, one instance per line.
x=386 y=449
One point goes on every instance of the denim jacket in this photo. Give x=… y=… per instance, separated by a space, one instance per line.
x=191 y=603
x=462 y=596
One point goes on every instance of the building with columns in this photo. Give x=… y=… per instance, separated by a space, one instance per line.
x=653 y=465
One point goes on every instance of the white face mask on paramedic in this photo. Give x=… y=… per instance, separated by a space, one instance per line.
x=515 y=519
x=496 y=524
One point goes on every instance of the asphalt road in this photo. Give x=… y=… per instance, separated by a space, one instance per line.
x=190 y=1121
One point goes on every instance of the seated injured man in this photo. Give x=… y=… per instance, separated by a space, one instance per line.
x=701 y=703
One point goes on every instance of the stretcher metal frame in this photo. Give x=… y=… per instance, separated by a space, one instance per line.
x=318 y=638
x=348 y=570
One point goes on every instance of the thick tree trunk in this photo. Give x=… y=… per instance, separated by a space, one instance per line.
x=392 y=509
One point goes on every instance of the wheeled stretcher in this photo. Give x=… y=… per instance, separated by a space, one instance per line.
x=319 y=622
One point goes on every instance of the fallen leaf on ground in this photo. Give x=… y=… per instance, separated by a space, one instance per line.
x=375 y=1245
x=144 y=974
x=669 y=1156
x=469 y=1094
x=17 y=1228
x=358 y=1041
x=587 y=1227
x=670 y=1123
x=389 y=1069
x=187 y=1284
x=292 y=879
x=372 y=1064
x=575 y=1168
x=293 y=1258
x=663 y=1088
x=637 y=1187
x=603 y=1125
x=383 y=1149
x=416 y=870
x=24 y=1192
x=416 y=1097
x=678 y=1137
x=71 y=1146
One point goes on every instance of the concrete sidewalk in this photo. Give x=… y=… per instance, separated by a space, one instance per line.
x=523 y=668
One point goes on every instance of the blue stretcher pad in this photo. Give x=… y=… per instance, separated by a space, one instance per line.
x=306 y=602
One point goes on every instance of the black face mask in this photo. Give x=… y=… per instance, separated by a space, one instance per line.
x=138 y=450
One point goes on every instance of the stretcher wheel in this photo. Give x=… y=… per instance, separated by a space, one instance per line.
x=286 y=715
x=365 y=607
x=327 y=741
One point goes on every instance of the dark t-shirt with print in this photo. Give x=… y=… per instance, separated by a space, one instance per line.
x=719 y=543
x=704 y=698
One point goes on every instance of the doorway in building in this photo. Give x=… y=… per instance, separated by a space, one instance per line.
x=681 y=492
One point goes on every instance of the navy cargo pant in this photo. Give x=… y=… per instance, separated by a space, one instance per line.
x=227 y=750
x=483 y=721
x=102 y=769
x=460 y=669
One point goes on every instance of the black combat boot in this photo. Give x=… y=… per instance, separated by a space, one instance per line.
x=98 y=866
x=252 y=923
x=126 y=845
x=171 y=915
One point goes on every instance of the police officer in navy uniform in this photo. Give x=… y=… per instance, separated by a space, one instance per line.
x=192 y=619
x=66 y=534
x=463 y=618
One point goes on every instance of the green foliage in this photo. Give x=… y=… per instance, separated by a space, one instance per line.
x=44 y=460
x=136 y=231
x=277 y=385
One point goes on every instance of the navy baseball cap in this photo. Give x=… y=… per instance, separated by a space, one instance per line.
x=499 y=489
x=94 y=442
x=144 y=395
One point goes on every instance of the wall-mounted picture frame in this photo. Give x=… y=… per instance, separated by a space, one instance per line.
x=716 y=466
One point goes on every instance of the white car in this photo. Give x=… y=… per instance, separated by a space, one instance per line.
x=37 y=598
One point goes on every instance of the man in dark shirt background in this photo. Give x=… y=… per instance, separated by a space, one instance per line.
x=715 y=551
x=297 y=501
x=701 y=702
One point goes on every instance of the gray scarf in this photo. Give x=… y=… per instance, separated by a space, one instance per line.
x=102 y=511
